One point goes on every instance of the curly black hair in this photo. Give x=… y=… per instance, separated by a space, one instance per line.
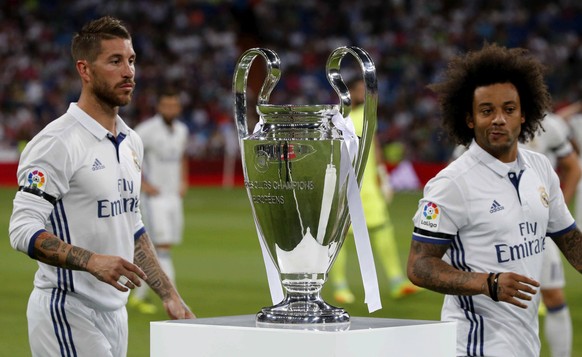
x=491 y=65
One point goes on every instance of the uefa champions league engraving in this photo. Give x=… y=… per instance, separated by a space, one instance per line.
x=295 y=166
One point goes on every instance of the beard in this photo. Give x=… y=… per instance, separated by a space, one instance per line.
x=107 y=95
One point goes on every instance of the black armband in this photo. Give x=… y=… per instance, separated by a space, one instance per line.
x=38 y=192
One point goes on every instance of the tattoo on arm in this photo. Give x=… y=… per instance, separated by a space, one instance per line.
x=77 y=258
x=145 y=257
x=51 y=250
x=433 y=273
x=571 y=246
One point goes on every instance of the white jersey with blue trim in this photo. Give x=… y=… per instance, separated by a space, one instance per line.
x=552 y=140
x=493 y=220
x=164 y=149
x=82 y=184
x=576 y=134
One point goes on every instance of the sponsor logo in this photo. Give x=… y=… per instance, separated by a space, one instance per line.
x=97 y=165
x=430 y=216
x=36 y=179
x=496 y=207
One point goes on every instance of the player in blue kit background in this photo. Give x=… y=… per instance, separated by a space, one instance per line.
x=77 y=210
x=480 y=229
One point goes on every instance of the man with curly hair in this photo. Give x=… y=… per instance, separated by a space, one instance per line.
x=480 y=229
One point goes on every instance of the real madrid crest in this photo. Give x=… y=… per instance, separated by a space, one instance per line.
x=544 y=197
x=136 y=161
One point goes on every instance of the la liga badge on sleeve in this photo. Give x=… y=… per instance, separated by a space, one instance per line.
x=430 y=216
x=36 y=179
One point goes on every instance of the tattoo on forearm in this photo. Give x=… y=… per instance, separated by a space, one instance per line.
x=145 y=257
x=49 y=250
x=439 y=276
x=53 y=251
x=50 y=244
x=571 y=246
x=77 y=258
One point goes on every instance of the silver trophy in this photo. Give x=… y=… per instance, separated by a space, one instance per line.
x=295 y=167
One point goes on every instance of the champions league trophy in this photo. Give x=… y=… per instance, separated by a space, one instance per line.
x=297 y=167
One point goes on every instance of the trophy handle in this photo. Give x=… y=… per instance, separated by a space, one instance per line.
x=371 y=97
x=240 y=84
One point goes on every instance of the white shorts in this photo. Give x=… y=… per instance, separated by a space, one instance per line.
x=164 y=218
x=552 y=268
x=60 y=325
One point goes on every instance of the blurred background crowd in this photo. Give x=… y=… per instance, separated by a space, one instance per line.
x=194 y=46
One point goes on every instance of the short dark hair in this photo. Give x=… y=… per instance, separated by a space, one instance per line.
x=168 y=91
x=86 y=44
x=491 y=65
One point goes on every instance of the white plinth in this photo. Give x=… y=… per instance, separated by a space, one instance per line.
x=239 y=336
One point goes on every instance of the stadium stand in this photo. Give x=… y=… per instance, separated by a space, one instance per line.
x=195 y=44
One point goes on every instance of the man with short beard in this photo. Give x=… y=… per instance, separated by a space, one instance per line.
x=77 y=210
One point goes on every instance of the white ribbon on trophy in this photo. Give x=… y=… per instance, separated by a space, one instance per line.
x=356 y=211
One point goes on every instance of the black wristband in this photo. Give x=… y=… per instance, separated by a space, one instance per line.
x=494 y=287
x=489 y=282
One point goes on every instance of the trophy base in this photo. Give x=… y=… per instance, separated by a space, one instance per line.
x=304 y=311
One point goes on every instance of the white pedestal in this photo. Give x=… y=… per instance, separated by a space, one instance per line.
x=239 y=336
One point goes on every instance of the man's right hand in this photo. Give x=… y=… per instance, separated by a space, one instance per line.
x=115 y=271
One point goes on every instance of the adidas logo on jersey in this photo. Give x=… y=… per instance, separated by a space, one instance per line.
x=97 y=165
x=495 y=206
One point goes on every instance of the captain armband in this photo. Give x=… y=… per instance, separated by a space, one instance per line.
x=38 y=192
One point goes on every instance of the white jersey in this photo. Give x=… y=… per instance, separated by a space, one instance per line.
x=164 y=149
x=493 y=221
x=81 y=184
x=576 y=131
x=552 y=141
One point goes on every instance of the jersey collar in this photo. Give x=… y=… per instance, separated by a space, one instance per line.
x=92 y=125
x=495 y=165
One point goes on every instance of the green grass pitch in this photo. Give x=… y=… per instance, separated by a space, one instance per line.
x=220 y=272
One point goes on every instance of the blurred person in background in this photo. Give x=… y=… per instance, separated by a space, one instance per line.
x=480 y=229
x=572 y=113
x=164 y=185
x=553 y=142
x=576 y=126
x=76 y=211
x=376 y=193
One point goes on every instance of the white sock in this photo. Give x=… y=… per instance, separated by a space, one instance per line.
x=166 y=263
x=558 y=331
